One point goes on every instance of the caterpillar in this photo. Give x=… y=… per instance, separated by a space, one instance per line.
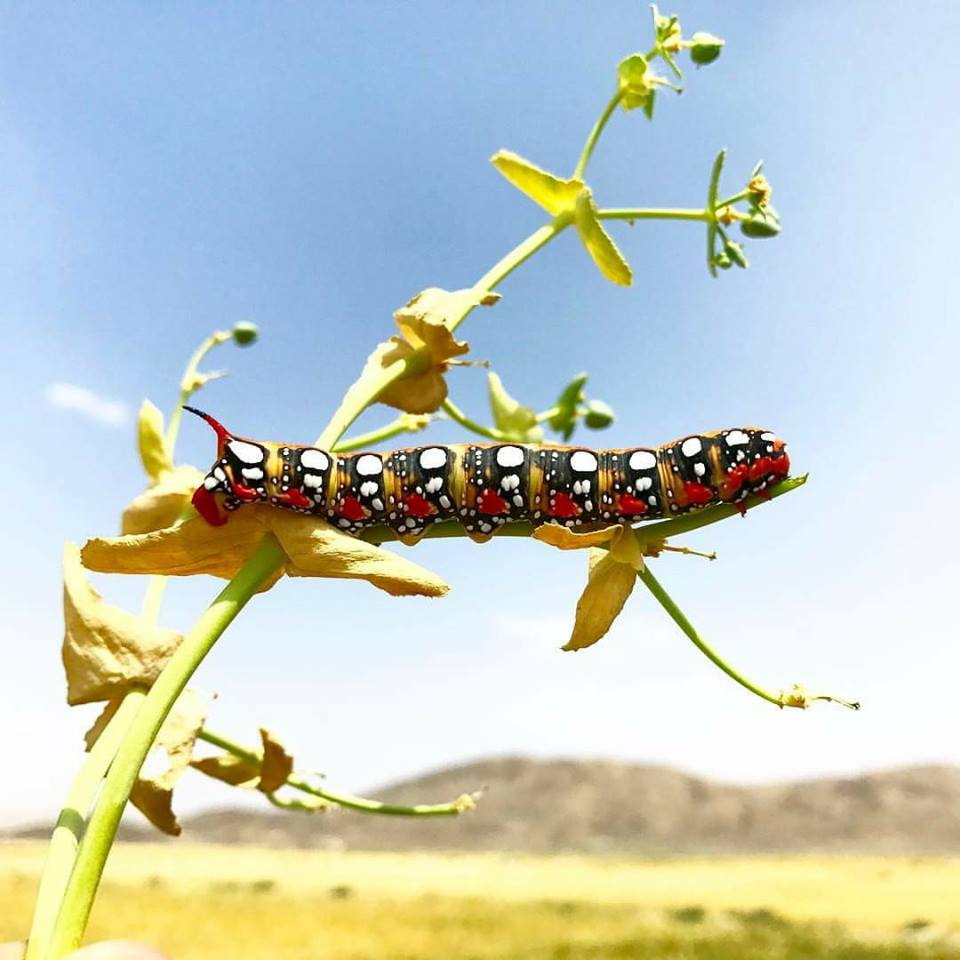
x=485 y=485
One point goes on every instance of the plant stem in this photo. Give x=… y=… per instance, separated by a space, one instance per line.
x=646 y=213
x=678 y=617
x=361 y=804
x=102 y=827
x=460 y=417
x=186 y=384
x=405 y=423
x=588 y=147
x=70 y=825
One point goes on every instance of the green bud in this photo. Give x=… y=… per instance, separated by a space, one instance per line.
x=735 y=252
x=761 y=224
x=705 y=49
x=245 y=333
x=598 y=415
x=722 y=261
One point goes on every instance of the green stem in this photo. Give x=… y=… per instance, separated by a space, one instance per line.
x=186 y=384
x=712 y=190
x=587 y=151
x=340 y=799
x=405 y=423
x=646 y=213
x=456 y=414
x=678 y=617
x=70 y=825
x=101 y=830
x=736 y=198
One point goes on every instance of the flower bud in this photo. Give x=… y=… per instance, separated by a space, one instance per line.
x=760 y=224
x=245 y=333
x=705 y=48
x=735 y=252
x=722 y=261
x=598 y=415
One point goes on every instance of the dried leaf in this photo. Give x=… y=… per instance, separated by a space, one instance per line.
x=153 y=795
x=100 y=724
x=277 y=764
x=566 y=539
x=106 y=651
x=161 y=504
x=554 y=194
x=229 y=769
x=312 y=546
x=154 y=455
x=424 y=325
x=510 y=416
x=598 y=242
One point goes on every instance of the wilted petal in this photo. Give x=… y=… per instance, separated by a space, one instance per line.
x=106 y=651
x=154 y=454
x=160 y=505
x=312 y=546
x=268 y=776
x=510 y=416
x=229 y=769
x=276 y=765
x=598 y=242
x=554 y=194
x=566 y=539
x=316 y=549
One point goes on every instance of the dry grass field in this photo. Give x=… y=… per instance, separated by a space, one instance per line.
x=207 y=903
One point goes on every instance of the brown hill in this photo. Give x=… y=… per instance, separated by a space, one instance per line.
x=611 y=807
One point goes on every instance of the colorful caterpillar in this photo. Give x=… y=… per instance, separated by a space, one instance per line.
x=484 y=485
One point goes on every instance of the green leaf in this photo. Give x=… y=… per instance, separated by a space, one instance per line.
x=556 y=195
x=154 y=455
x=606 y=255
x=510 y=416
x=564 y=421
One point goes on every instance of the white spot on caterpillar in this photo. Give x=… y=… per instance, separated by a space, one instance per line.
x=314 y=460
x=736 y=438
x=433 y=458
x=588 y=505
x=692 y=446
x=219 y=474
x=699 y=469
x=377 y=504
x=644 y=483
x=445 y=502
x=343 y=522
x=251 y=473
x=583 y=461
x=518 y=500
x=246 y=452
x=369 y=488
x=210 y=482
x=312 y=480
x=510 y=482
x=767 y=437
x=642 y=460
x=433 y=484
x=369 y=465
x=509 y=456
x=652 y=500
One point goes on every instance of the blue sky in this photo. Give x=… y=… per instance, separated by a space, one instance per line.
x=170 y=170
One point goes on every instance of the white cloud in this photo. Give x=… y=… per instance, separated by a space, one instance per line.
x=68 y=396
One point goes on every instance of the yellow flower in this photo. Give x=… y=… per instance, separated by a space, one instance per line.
x=313 y=549
x=610 y=581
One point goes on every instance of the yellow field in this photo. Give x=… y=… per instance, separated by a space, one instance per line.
x=203 y=903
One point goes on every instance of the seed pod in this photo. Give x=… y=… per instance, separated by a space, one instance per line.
x=706 y=48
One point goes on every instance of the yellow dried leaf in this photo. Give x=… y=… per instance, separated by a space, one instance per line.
x=424 y=326
x=598 y=242
x=154 y=455
x=608 y=586
x=100 y=724
x=160 y=505
x=153 y=795
x=554 y=194
x=276 y=765
x=106 y=651
x=312 y=546
x=566 y=539
x=229 y=769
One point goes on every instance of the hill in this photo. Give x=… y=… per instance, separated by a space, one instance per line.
x=586 y=806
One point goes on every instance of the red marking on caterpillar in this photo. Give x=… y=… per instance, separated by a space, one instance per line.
x=491 y=503
x=697 y=493
x=417 y=506
x=205 y=504
x=563 y=506
x=296 y=499
x=630 y=506
x=351 y=509
x=245 y=493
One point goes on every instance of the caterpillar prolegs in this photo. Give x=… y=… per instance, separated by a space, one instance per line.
x=485 y=485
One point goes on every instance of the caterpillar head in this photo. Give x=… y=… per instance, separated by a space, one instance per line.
x=239 y=473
